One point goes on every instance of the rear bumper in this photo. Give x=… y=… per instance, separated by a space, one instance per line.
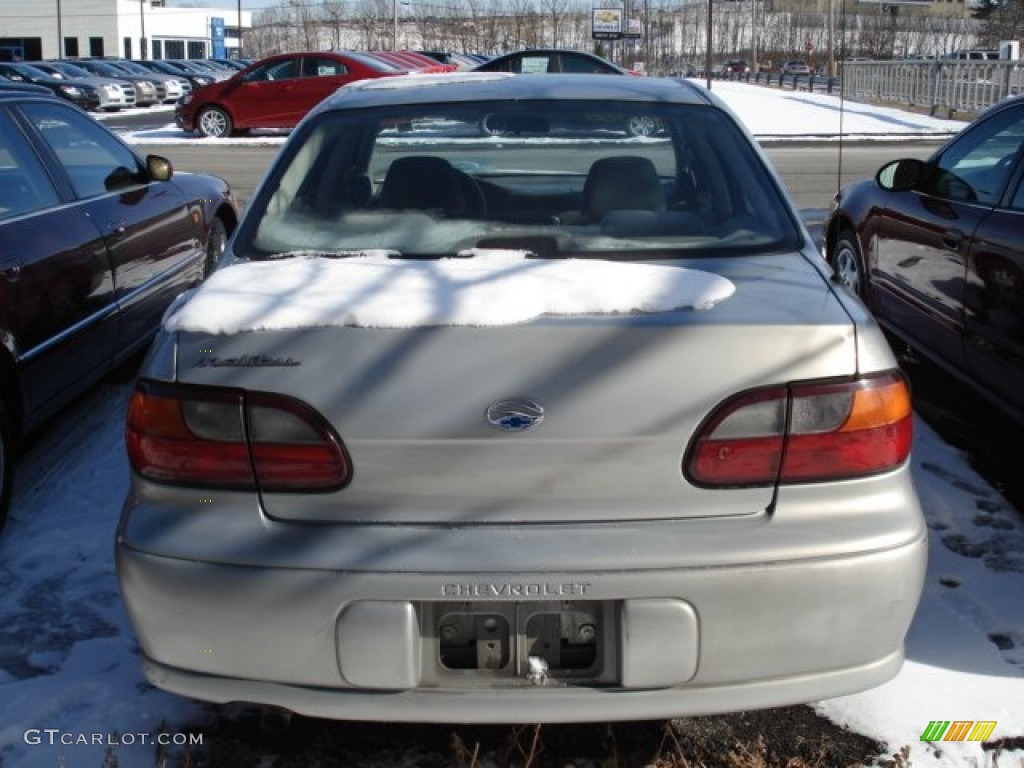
x=746 y=636
x=564 y=705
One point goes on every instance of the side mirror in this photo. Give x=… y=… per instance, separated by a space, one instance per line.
x=901 y=175
x=159 y=168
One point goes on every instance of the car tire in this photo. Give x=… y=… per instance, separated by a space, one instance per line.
x=216 y=243
x=6 y=466
x=642 y=126
x=214 y=123
x=848 y=263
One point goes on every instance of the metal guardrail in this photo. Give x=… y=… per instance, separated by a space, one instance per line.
x=944 y=86
x=794 y=82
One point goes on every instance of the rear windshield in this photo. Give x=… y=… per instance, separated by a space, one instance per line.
x=556 y=179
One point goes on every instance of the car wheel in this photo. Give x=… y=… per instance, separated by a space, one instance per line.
x=6 y=466
x=216 y=243
x=214 y=123
x=642 y=125
x=848 y=263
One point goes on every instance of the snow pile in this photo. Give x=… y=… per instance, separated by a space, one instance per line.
x=500 y=288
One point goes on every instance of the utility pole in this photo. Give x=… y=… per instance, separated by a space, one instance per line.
x=707 y=51
x=831 y=38
x=753 y=36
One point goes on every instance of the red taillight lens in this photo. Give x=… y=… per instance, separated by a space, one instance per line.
x=804 y=433
x=232 y=439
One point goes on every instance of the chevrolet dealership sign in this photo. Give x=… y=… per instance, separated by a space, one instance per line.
x=607 y=23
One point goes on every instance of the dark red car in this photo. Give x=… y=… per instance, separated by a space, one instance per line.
x=95 y=243
x=275 y=92
x=414 y=62
x=935 y=250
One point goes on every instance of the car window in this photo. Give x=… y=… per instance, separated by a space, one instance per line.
x=275 y=70
x=435 y=181
x=24 y=185
x=94 y=160
x=982 y=159
x=322 y=67
x=582 y=65
x=283 y=70
x=533 y=64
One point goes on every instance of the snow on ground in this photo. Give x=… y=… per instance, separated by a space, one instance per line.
x=769 y=113
x=69 y=664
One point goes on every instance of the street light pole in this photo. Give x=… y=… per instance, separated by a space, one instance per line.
x=707 y=46
x=394 y=25
x=60 y=35
x=142 y=16
x=831 y=40
x=239 y=30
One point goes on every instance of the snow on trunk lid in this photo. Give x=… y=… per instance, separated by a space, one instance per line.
x=499 y=288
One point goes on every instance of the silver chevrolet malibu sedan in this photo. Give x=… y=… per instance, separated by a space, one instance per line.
x=544 y=422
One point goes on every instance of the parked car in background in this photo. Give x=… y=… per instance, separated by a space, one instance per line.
x=233 y=63
x=276 y=92
x=736 y=67
x=935 y=250
x=555 y=61
x=414 y=62
x=95 y=242
x=171 y=86
x=795 y=67
x=196 y=79
x=115 y=94
x=148 y=89
x=203 y=67
x=12 y=86
x=80 y=94
x=550 y=60
x=573 y=430
x=976 y=55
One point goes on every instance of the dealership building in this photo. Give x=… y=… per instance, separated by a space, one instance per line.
x=134 y=29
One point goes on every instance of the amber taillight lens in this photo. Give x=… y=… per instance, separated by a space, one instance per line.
x=804 y=433
x=225 y=438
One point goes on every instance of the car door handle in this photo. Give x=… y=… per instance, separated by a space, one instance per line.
x=117 y=229
x=952 y=239
x=10 y=270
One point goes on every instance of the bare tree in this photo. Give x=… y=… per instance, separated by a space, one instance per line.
x=554 y=10
x=272 y=32
x=1001 y=20
x=334 y=13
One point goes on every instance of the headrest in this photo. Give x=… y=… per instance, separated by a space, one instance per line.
x=623 y=183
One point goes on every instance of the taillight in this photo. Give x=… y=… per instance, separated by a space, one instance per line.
x=225 y=438
x=804 y=433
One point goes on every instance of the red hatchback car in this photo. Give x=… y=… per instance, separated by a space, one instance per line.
x=275 y=92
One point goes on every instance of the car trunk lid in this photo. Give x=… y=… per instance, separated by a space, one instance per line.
x=440 y=422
